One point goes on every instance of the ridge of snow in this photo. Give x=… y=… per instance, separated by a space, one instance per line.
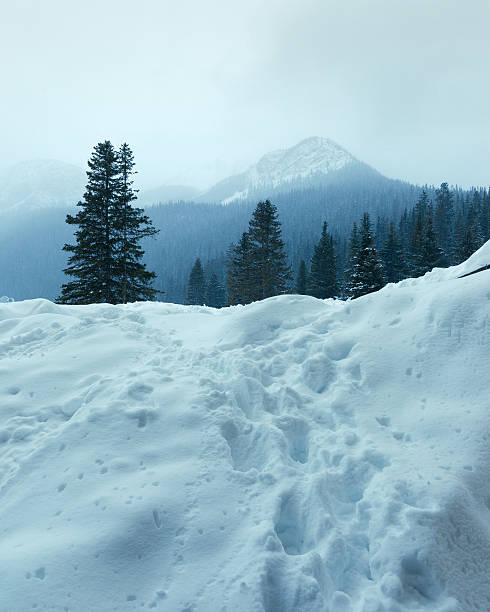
x=292 y=455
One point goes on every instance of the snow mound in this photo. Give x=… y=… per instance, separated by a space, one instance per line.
x=291 y=455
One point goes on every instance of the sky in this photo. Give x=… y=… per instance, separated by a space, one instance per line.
x=200 y=89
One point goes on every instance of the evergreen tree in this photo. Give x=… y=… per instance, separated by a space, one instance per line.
x=132 y=226
x=269 y=257
x=215 y=296
x=350 y=271
x=322 y=281
x=302 y=279
x=393 y=256
x=92 y=261
x=367 y=273
x=241 y=282
x=432 y=255
x=106 y=257
x=443 y=219
x=196 y=287
x=417 y=265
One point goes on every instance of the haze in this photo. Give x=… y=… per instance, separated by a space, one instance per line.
x=202 y=89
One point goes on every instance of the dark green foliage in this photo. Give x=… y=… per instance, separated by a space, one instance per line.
x=366 y=274
x=132 y=226
x=257 y=266
x=394 y=264
x=105 y=259
x=241 y=282
x=443 y=219
x=215 y=295
x=322 y=281
x=196 y=287
x=417 y=265
x=302 y=278
x=352 y=260
x=92 y=257
x=432 y=254
x=271 y=270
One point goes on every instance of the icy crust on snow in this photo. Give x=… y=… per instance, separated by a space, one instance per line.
x=290 y=455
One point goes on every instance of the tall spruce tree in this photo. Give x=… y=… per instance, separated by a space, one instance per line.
x=302 y=278
x=92 y=260
x=271 y=270
x=132 y=226
x=367 y=273
x=393 y=257
x=432 y=255
x=322 y=281
x=416 y=263
x=443 y=220
x=105 y=260
x=196 y=287
x=215 y=295
x=241 y=281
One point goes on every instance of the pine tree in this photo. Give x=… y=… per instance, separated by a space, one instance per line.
x=92 y=260
x=215 y=295
x=196 y=287
x=241 y=281
x=416 y=262
x=269 y=257
x=322 y=281
x=302 y=278
x=132 y=226
x=367 y=273
x=106 y=257
x=432 y=255
x=393 y=257
x=443 y=219
x=350 y=271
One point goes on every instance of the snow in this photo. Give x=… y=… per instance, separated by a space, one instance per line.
x=291 y=455
x=312 y=156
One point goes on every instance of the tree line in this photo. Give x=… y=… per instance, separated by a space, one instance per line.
x=106 y=259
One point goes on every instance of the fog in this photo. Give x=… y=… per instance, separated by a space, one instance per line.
x=200 y=89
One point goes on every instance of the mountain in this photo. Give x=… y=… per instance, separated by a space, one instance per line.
x=292 y=455
x=312 y=161
x=42 y=183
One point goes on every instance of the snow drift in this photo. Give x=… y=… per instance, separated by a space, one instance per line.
x=291 y=455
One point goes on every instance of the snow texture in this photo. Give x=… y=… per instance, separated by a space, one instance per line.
x=291 y=455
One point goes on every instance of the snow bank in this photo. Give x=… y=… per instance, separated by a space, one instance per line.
x=291 y=455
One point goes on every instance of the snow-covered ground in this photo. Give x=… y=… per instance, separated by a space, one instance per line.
x=291 y=455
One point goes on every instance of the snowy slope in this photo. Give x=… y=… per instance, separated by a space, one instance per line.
x=291 y=455
x=42 y=183
x=312 y=157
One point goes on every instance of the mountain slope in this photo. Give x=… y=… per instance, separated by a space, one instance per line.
x=293 y=455
x=38 y=184
x=311 y=161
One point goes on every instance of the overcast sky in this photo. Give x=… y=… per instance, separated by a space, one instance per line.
x=201 y=88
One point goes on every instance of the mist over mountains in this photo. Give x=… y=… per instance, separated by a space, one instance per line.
x=313 y=181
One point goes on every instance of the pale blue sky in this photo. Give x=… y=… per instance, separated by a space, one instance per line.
x=200 y=88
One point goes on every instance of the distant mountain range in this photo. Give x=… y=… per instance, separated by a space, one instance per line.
x=43 y=184
x=39 y=184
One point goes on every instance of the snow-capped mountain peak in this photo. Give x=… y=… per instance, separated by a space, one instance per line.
x=310 y=156
x=314 y=157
